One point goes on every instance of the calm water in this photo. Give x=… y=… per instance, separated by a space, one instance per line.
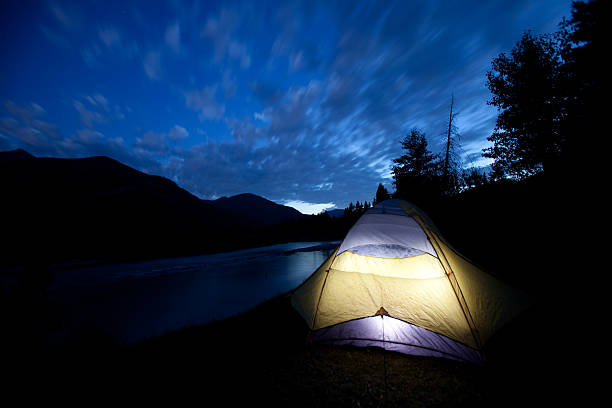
x=133 y=301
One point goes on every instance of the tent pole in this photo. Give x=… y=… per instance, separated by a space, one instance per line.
x=451 y=277
x=314 y=318
x=382 y=317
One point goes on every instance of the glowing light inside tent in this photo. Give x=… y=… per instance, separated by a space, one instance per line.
x=395 y=335
x=423 y=266
x=388 y=260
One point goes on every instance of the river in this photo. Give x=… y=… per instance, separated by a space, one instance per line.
x=130 y=302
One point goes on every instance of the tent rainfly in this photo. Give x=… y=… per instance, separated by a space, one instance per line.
x=395 y=283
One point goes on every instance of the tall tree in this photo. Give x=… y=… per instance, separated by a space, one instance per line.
x=350 y=210
x=382 y=194
x=416 y=172
x=473 y=177
x=525 y=88
x=583 y=72
x=448 y=138
x=450 y=168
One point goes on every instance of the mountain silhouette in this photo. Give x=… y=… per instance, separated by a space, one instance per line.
x=336 y=213
x=59 y=210
x=255 y=210
x=11 y=155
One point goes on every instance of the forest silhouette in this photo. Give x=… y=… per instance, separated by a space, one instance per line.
x=548 y=94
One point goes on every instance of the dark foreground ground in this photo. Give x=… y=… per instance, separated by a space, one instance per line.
x=531 y=235
x=261 y=358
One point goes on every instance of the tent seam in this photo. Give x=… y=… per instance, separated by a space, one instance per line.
x=397 y=342
x=404 y=321
x=387 y=276
x=466 y=312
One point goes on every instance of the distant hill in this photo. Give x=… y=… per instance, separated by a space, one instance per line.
x=59 y=210
x=97 y=208
x=255 y=210
x=11 y=155
x=336 y=213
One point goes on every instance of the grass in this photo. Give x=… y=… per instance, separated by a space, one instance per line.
x=261 y=357
x=266 y=353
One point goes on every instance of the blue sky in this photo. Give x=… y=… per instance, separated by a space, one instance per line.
x=303 y=103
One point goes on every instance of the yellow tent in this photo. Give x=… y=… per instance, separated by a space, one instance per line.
x=394 y=282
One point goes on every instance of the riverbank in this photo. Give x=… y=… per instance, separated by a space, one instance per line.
x=130 y=302
x=262 y=357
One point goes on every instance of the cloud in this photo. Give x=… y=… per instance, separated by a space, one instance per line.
x=152 y=65
x=291 y=23
x=260 y=116
x=33 y=134
x=309 y=208
x=306 y=160
x=89 y=136
x=90 y=142
x=296 y=60
x=89 y=117
x=292 y=113
x=56 y=38
x=98 y=100
x=219 y=30
x=96 y=109
x=109 y=36
x=275 y=170
x=26 y=112
x=90 y=55
x=268 y=93
x=67 y=18
x=109 y=47
x=238 y=51
x=152 y=141
x=205 y=102
x=172 y=37
x=178 y=133
x=24 y=128
x=228 y=83
x=160 y=147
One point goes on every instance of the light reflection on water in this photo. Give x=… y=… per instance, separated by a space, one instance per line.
x=131 y=302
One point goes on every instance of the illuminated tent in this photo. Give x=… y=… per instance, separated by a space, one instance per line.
x=395 y=283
